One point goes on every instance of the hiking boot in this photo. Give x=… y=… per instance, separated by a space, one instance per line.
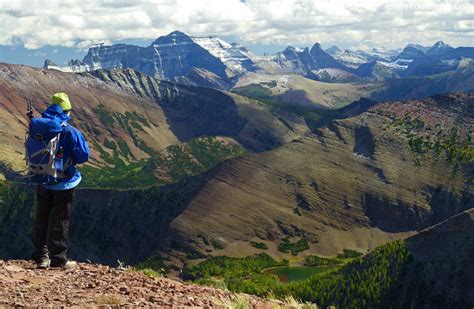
x=43 y=264
x=70 y=265
x=67 y=265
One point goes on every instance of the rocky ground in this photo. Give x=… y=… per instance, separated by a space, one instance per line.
x=91 y=285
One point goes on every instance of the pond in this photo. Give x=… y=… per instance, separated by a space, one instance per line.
x=296 y=273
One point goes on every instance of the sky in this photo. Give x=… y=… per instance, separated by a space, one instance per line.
x=32 y=31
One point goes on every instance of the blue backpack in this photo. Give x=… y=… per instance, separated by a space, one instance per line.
x=44 y=156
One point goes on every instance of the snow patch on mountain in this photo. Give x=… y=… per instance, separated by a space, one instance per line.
x=212 y=61
x=237 y=59
x=350 y=58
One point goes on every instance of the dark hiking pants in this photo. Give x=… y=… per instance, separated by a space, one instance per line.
x=52 y=225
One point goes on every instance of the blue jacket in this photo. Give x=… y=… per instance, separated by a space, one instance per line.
x=74 y=146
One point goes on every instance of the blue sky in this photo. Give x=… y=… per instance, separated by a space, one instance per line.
x=31 y=31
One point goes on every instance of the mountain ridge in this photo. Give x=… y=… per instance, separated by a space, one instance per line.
x=176 y=55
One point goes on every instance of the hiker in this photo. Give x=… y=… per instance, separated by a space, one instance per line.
x=57 y=177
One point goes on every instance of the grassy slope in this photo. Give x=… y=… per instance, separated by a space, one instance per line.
x=330 y=188
x=168 y=166
x=266 y=128
x=101 y=111
x=300 y=91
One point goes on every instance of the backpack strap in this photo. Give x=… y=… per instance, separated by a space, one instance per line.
x=46 y=147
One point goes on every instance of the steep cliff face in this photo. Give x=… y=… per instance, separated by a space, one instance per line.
x=178 y=48
x=129 y=226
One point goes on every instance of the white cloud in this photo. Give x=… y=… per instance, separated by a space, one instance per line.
x=388 y=23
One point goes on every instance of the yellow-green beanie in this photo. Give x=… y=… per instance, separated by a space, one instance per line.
x=62 y=100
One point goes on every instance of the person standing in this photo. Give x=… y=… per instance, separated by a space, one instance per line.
x=55 y=197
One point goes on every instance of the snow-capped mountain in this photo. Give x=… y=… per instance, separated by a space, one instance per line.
x=350 y=58
x=380 y=70
x=235 y=57
x=212 y=62
x=178 y=56
x=406 y=57
x=169 y=56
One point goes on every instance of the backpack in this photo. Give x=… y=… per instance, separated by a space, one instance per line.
x=44 y=156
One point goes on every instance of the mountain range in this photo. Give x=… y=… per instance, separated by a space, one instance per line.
x=210 y=61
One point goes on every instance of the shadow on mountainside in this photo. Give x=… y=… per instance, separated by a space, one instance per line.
x=190 y=111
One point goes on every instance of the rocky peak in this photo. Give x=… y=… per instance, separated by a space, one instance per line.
x=316 y=48
x=439 y=48
x=306 y=51
x=290 y=53
x=334 y=50
x=168 y=57
x=172 y=38
x=324 y=60
x=350 y=58
x=440 y=44
x=290 y=49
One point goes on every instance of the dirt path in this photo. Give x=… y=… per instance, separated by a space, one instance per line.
x=89 y=284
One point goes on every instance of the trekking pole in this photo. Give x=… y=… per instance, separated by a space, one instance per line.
x=29 y=116
x=29 y=110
